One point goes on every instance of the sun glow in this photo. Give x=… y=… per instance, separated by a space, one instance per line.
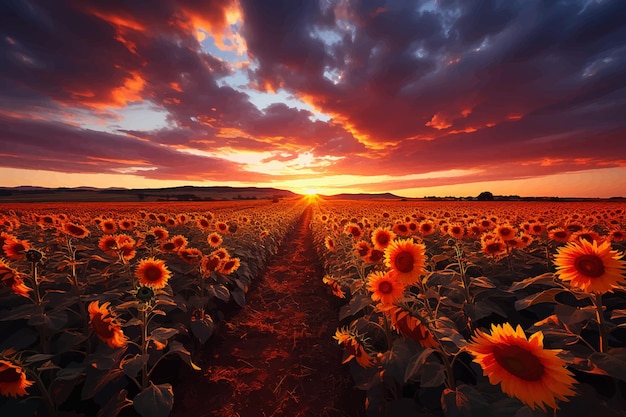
x=310 y=191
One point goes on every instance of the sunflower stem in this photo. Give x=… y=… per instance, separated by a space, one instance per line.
x=604 y=336
x=144 y=344
x=44 y=391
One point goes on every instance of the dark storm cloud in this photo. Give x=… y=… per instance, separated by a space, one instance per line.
x=43 y=145
x=413 y=71
x=410 y=86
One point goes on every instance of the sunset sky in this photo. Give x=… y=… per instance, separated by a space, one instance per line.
x=418 y=98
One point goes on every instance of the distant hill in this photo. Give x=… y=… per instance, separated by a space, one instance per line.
x=348 y=196
x=113 y=194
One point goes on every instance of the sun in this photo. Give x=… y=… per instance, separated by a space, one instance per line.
x=310 y=192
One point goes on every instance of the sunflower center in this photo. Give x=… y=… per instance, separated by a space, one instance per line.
x=152 y=273
x=404 y=262
x=385 y=287
x=382 y=238
x=9 y=375
x=589 y=265
x=519 y=362
x=75 y=230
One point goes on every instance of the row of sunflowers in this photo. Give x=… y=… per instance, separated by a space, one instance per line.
x=490 y=309
x=95 y=300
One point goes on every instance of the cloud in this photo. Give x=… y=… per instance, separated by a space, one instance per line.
x=501 y=89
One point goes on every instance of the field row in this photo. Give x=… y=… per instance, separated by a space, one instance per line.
x=96 y=296
x=490 y=309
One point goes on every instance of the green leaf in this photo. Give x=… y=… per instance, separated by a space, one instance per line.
x=178 y=348
x=455 y=404
x=96 y=380
x=39 y=357
x=547 y=296
x=202 y=328
x=113 y=407
x=154 y=400
x=133 y=365
x=239 y=296
x=432 y=374
x=613 y=363
x=416 y=362
x=162 y=334
x=543 y=279
x=221 y=292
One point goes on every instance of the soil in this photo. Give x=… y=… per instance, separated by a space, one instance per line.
x=276 y=356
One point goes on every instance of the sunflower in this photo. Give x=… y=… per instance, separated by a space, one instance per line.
x=334 y=285
x=105 y=326
x=558 y=234
x=13 y=279
x=588 y=235
x=46 y=221
x=401 y=229
x=493 y=246
x=354 y=230
x=362 y=248
x=406 y=259
x=15 y=249
x=180 y=241
x=203 y=223
x=126 y=247
x=221 y=227
x=457 y=231
x=13 y=382
x=108 y=226
x=355 y=346
x=214 y=239
x=426 y=228
x=384 y=287
x=209 y=264
x=221 y=253
x=152 y=273
x=409 y=325
x=522 y=367
x=506 y=232
x=591 y=267
x=190 y=255
x=617 y=235
x=75 y=230
x=375 y=256
x=382 y=237
x=168 y=246
x=108 y=244
x=127 y=224
x=229 y=266
x=536 y=229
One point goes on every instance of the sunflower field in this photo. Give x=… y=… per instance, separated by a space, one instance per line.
x=449 y=308
x=480 y=309
x=95 y=298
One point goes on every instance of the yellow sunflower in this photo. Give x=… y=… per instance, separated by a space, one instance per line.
x=406 y=259
x=522 y=367
x=409 y=325
x=105 y=326
x=13 y=382
x=382 y=237
x=592 y=267
x=152 y=273
x=384 y=287
x=355 y=346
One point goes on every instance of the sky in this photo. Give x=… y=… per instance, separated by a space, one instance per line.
x=418 y=98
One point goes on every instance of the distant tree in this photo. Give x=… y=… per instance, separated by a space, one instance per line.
x=485 y=196
x=141 y=196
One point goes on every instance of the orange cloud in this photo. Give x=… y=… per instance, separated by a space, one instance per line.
x=439 y=122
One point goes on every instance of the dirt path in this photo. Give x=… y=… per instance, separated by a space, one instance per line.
x=276 y=357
